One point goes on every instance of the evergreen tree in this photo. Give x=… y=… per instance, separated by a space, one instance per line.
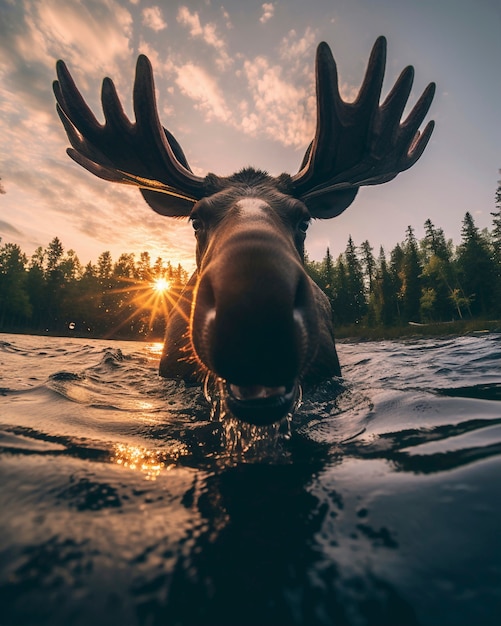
x=383 y=296
x=54 y=293
x=476 y=267
x=411 y=278
x=37 y=289
x=104 y=266
x=340 y=302
x=158 y=268
x=144 y=271
x=89 y=300
x=438 y=276
x=368 y=263
x=323 y=274
x=327 y=271
x=125 y=267
x=434 y=243
x=14 y=302
x=355 y=281
x=314 y=270
x=496 y=249
x=397 y=258
x=55 y=283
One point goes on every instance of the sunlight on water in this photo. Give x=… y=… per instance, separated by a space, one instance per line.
x=149 y=462
x=154 y=350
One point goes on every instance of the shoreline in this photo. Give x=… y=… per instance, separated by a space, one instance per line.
x=350 y=334
x=343 y=334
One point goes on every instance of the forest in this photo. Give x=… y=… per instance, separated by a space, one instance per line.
x=429 y=281
x=425 y=281
x=53 y=293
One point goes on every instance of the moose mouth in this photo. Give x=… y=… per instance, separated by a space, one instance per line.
x=261 y=405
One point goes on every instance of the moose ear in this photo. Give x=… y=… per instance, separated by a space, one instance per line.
x=325 y=204
x=166 y=204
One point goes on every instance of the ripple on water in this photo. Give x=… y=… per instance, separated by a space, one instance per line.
x=378 y=504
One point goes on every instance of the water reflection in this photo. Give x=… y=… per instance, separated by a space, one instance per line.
x=154 y=350
x=381 y=509
x=149 y=462
x=261 y=560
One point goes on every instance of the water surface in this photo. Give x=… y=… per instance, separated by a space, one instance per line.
x=123 y=502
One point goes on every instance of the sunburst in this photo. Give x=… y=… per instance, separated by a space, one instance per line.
x=161 y=285
x=155 y=297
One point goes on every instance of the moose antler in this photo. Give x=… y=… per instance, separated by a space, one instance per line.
x=363 y=142
x=142 y=153
x=358 y=143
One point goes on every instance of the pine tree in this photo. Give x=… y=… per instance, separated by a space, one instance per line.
x=383 y=296
x=397 y=257
x=55 y=283
x=144 y=271
x=355 y=281
x=327 y=270
x=36 y=285
x=411 y=278
x=341 y=311
x=368 y=263
x=438 y=276
x=14 y=302
x=476 y=267
x=104 y=266
x=496 y=248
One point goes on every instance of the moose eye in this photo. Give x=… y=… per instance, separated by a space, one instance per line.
x=196 y=223
x=304 y=225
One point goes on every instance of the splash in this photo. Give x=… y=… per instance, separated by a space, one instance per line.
x=242 y=441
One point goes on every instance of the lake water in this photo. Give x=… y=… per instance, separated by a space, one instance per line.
x=123 y=502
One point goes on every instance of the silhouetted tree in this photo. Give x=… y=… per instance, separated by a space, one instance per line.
x=424 y=280
x=496 y=249
x=37 y=289
x=15 y=306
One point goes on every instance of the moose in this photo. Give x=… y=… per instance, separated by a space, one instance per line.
x=250 y=316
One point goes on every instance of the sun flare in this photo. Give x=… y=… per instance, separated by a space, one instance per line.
x=160 y=285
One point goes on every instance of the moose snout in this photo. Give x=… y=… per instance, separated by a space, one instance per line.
x=253 y=321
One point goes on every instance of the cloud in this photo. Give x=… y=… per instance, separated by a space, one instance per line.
x=268 y=12
x=295 y=49
x=90 y=35
x=226 y=17
x=283 y=110
x=208 y=33
x=199 y=86
x=5 y=227
x=152 y=18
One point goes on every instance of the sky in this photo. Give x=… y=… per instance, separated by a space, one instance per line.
x=235 y=84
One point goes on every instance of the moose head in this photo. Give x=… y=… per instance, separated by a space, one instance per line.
x=250 y=316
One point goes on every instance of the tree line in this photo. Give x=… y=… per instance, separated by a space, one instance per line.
x=425 y=281
x=53 y=293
